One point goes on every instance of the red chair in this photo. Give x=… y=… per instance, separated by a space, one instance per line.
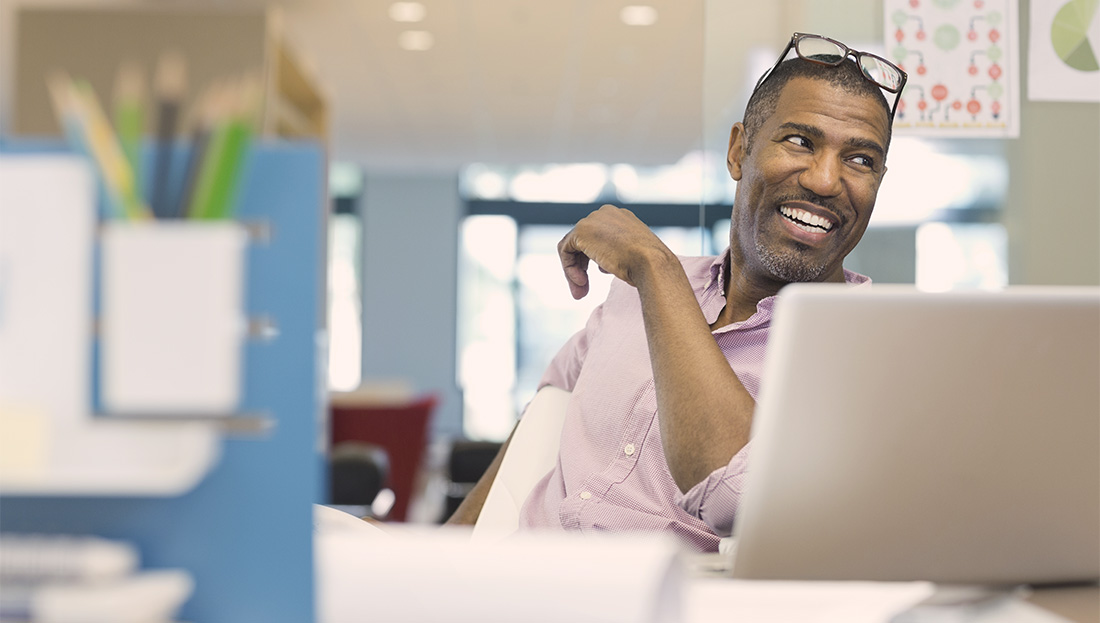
x=402 y=429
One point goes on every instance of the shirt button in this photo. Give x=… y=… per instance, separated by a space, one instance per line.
x=585 y=495
x=629 y=449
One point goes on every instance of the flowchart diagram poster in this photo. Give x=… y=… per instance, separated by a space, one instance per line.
x=962 y=57
x=1062 y=57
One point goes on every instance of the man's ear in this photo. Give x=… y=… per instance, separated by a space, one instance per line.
x=736 y=153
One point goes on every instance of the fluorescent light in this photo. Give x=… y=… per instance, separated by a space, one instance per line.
x=416 y=40
x=407 y=12
x=638 y=15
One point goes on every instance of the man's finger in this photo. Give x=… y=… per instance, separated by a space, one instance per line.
x=578 y=282
x=576 y=273
x=575 y=265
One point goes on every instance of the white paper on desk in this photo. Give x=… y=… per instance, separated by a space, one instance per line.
x=753 y=601
x=440 y=575
x=47 y=219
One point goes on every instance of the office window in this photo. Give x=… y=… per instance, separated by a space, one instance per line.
x=345 y=315
x=961 y=255
x=487 y=325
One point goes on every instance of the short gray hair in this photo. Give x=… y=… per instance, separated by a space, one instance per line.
x=846 y=76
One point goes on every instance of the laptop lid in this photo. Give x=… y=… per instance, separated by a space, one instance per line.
x=950 y=437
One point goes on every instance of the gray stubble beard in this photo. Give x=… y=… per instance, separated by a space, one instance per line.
x=789 y=266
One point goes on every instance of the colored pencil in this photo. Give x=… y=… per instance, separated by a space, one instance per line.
x=129 y=117
x=222 y=164
x=104 y=146
x=208 y=109
x=171 y=84
x=67 y=110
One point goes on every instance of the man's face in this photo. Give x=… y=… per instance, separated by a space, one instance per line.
x=807 y=186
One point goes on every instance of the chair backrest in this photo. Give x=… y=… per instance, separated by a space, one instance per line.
x=357 y=472
x=468 y=462
x=532 y=453
x=401 y=429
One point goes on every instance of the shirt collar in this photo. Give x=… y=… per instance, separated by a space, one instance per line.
x=718 y=271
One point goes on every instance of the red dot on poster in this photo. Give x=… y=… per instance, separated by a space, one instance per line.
x=974 y=107
x=978 y=4
x=922 y=105
x=973 y=70
x=914 y=3
x=939 y=92
x=972 y=35
x=957 y=105
x=920 y=35
x=996 y=106
x=994 y=35
x=994 y=71
x=899 y=35
x=922 y=70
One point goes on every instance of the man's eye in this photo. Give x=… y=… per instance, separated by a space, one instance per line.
x=864 y=161
x=801 y=141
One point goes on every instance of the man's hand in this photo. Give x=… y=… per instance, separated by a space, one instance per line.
x=616 y=241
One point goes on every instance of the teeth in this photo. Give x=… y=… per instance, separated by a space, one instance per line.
x=802 y=217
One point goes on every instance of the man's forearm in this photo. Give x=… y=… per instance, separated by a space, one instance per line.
x=705 y=413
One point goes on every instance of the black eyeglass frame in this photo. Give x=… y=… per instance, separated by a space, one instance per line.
x=857 y=54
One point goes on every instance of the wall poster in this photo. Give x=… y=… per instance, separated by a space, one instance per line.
x=1062 y=55
x=962 y=58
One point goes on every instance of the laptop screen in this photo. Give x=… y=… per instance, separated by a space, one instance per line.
x=951 y=437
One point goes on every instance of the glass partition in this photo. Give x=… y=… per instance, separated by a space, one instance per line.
x=514 y=307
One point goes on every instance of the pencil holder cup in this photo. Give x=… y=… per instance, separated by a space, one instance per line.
x=172 y=318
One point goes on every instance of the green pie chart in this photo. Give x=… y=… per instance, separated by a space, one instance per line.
x=1069 y=34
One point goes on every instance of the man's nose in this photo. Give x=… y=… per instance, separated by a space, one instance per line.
x=822 y=176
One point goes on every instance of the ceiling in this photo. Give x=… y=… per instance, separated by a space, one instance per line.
x=537 y=81
x=532 y=81
x=507 y=81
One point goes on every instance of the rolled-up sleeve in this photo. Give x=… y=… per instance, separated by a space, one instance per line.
x=715 y=500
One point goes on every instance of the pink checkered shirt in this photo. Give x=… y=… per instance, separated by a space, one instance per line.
x=611 y=473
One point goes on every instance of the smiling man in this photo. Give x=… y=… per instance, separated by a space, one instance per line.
x=665 y=374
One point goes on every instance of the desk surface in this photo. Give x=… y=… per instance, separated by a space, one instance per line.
x=1080 y=604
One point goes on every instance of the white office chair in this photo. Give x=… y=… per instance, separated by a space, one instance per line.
x=532 y=452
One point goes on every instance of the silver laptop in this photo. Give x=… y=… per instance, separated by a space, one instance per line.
x=949 y=437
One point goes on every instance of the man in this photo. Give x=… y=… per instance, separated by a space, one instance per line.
x=665 y=374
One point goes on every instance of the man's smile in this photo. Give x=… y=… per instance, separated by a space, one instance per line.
x=805 y=220
x=805 y=223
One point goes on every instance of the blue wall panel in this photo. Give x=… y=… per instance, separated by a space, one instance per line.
x=245 y=532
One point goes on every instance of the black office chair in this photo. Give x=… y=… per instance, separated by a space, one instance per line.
x=468 y=462
x=358 y=472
